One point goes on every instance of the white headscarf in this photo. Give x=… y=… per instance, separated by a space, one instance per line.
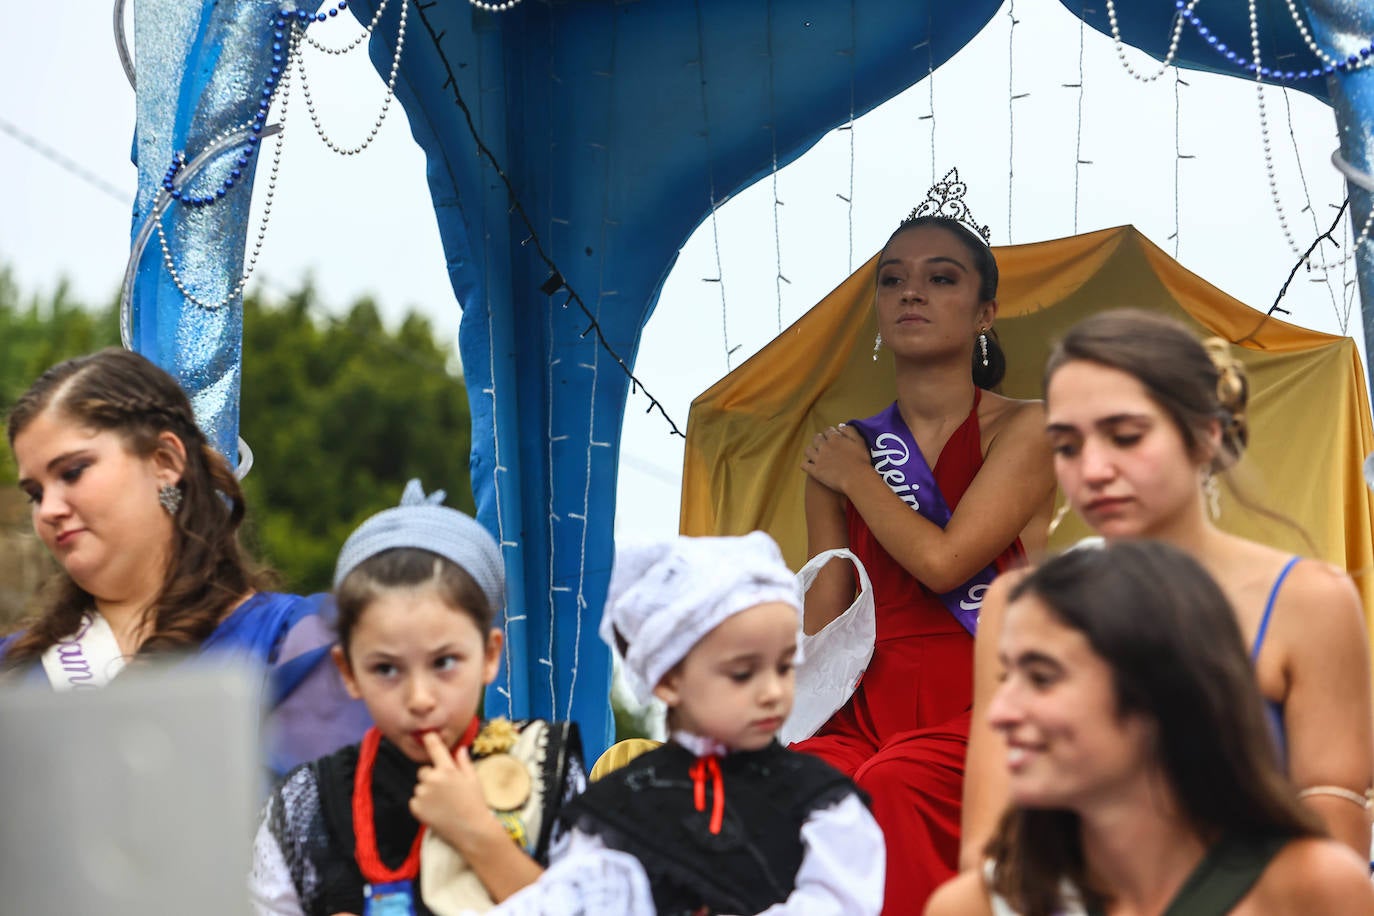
x=665 y=596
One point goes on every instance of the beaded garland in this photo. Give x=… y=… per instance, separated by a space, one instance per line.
x=289 y=30
x=284 y=47
x=1254 y=65
x=1357 y=61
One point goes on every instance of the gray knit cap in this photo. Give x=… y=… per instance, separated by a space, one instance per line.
x=423 y=522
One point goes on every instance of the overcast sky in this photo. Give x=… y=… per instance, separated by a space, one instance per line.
x=70 y=97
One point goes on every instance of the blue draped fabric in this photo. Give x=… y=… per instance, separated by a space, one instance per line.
x=616 y=127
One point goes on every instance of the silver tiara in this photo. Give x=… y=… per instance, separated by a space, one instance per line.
x=946 y=198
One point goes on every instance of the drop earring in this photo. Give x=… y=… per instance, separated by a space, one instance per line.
x=877 y=345
x=983 y=346
x=1057 y=520
x=1211 y=489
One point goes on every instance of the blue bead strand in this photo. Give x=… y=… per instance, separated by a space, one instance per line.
x=1354 y=61
x=284 y=18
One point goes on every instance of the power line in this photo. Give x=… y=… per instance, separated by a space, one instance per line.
x=63 y=162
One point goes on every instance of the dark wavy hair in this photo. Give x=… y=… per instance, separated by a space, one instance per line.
x=208 y=569
x=1177 y=657
x=989 y=376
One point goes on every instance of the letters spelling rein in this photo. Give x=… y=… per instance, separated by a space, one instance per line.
x=898 y=460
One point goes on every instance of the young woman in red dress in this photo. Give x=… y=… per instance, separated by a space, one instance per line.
x=903 y=733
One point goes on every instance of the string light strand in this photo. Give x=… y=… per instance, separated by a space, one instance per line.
x=518 y=208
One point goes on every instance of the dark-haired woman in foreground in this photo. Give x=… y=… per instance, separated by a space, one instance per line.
x=932 y=495
x=1140 y=768
x=1144 y=420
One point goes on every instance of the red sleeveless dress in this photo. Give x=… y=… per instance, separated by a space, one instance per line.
x=903 y=734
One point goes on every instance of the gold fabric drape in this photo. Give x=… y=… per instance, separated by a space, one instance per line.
x=1310 y=427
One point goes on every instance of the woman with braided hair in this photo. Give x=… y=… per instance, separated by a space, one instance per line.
x=1143 y=420
x=142 y=516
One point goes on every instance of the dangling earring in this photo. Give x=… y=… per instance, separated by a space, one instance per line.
x=1059 y=515
x=983 y=346
x=877 y=345
x=169 y=497
x=1211 y=489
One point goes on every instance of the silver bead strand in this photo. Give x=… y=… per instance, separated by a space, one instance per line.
x=1317 y=49
x=1168 y=58
x=367 y=33
x=1269 y=170
x=386 y=103
x=284 y=95
x=495 y=7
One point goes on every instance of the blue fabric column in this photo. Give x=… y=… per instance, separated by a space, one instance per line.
x=200 y=70
x=1345 y=28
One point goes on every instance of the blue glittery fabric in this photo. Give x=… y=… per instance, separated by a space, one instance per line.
x=200 y=68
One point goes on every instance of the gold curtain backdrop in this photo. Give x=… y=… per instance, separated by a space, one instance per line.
x=1310 y=427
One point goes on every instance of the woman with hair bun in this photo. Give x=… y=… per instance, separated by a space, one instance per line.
x=1140 y=769
x=1144 y=420
x=142 y=516
x=933 y=495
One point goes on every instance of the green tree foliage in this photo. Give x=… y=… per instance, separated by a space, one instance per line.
x=339 y=413
x=42 y=331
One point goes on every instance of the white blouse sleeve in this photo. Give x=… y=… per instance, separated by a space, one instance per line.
x=585 y=877
x=272 y=891
x=844 y=867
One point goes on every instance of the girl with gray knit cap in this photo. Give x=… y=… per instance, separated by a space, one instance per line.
x=435 y=811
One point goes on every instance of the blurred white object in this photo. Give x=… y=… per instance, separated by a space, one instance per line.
x=833 y=660
x=594 y=884
x=135 y=800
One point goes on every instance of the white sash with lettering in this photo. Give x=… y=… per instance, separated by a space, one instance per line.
x=87 y=659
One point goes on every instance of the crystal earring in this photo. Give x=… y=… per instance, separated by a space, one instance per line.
x=1211 y=489
x=169 y=497
x=983 y=346
x=877 y=345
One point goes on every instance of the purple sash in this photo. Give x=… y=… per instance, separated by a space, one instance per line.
x=898 y=460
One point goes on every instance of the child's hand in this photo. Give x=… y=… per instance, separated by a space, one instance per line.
x=448 y=799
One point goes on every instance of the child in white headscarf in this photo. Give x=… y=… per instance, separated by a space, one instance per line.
x=722 y=817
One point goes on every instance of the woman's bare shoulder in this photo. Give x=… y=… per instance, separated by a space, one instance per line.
x=995 y=408
x=1318 y=580
x=962 y=895
x=1313 y=876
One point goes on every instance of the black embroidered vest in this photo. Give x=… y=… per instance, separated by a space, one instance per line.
x=647 y=809
x=393 y=784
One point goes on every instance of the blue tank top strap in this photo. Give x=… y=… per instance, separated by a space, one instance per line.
x=1269 y=608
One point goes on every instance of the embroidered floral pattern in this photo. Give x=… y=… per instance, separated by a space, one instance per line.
x=496 y=737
